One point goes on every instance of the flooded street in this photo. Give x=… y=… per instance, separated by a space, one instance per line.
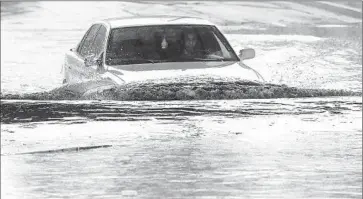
x=254 y=148
x=105 y=147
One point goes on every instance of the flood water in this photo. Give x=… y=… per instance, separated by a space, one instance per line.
x=286 y=148
x=309 y=146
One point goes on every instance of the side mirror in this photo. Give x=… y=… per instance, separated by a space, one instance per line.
x=247 y=53
x=91 y=60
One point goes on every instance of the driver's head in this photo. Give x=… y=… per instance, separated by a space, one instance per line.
x=190 y=40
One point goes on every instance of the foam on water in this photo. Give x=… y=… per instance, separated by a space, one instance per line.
x=15 y=108
x=178 y=91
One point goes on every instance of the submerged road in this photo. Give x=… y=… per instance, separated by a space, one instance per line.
x=241 y=148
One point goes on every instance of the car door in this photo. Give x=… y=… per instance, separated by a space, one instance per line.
x=97 y=48
x=75 y=58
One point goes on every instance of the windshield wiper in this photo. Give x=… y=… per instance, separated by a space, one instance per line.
x=149 y=60
x=153 y=61
x=209 y=59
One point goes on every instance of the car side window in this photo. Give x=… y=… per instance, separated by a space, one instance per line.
x=99 y=42
x=84 y=47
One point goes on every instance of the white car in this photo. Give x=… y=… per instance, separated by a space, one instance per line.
x=131 y=49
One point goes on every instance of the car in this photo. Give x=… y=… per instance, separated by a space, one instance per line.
x=151 y=48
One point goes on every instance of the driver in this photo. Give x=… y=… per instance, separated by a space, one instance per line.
x=191 y=44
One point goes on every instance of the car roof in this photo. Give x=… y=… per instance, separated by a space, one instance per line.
x=155 y=20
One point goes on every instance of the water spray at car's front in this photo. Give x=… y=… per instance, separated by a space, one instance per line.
x=183 y=89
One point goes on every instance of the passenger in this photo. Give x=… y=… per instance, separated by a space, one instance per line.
x=166 y=46
x=174 y=48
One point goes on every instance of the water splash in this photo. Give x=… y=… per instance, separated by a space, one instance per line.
x=212 y=90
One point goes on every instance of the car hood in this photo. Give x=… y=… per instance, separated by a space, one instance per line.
x=177 y=71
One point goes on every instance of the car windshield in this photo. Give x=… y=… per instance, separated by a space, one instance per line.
x=169 y=43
